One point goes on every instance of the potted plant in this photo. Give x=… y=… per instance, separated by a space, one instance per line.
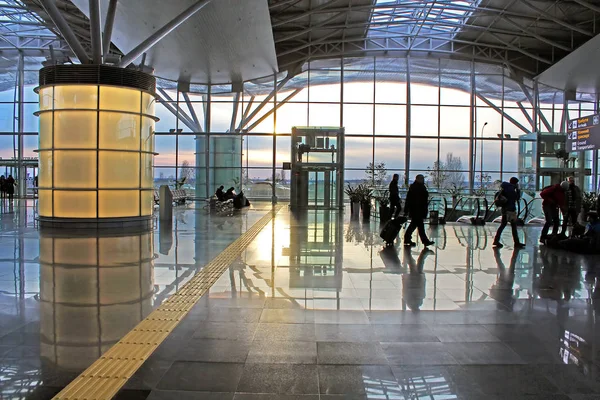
x=366 y=197
x=385 y=213
x=589 y=202
x=454 y=192
x=354 y=196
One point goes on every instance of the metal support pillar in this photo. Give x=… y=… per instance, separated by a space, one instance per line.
x=65 y=30
x=177 y=111
x=96 y=31
x=274 y=167
x=108 y=27
x=246 y=112
x=21 y=182
x=161 y=33
x=273 y=110
x=234 y=112
x=526 y=114
x=207 y=123
x=266 y=101
x=532 y=100
x=173 y=111
x=408 y=116
x=192 y=112
x=472 y=151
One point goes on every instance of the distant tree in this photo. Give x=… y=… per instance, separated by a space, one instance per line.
x=437 y=174
x=376 y=174
x=186 y=172
x=447 y=174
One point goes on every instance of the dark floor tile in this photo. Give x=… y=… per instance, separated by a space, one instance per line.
x=395 y=317
x=279 y=378
x=239 y=302
x=183 y=395
x=206 y=377
x=169 y=349
x=17 y=338
x=360 y=379
x=149 y=374
x=129 y=394
x=341 y=317
x=344 y=333
x=22 y=352
x=290 y=352
x=418 y=354
x=545 y=396
x=250 y=396
x=537 y=352
x=8 y=391
x=483 y=353
x=225 y=331
x=275 y=331
x=462 y=333
x=453 y=317
x=404 y=333
x=214 y=350
x=243 y=315
x=350 y=353
x=505 y=380
x=512 y=332
x=571 y=379
x=277 y=303
x=287 y=316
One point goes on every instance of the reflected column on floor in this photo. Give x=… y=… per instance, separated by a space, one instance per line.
x=316 y=250
x=93 y=290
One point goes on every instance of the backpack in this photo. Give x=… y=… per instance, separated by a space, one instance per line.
x=500 y=199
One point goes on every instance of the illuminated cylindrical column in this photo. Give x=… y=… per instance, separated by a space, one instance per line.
x=96 y=146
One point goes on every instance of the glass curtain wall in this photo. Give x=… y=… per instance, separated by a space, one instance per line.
x=464 y=125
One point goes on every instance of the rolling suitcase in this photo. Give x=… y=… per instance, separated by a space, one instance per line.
x=391 y=229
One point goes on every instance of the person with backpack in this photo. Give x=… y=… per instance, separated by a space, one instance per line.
x=554 y=202
x=507 y=199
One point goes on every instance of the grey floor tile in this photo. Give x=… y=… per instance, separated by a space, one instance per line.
x=279 y=378
x=344 y=333
x=462 y=333
x=225 y=331
x=206 y=377
x=427 y=381
x=224 y=314
x=149 y=374
x=287 y=316
x=506 y=380
x=359 y=379
x=350 y=353
x=512 y=332
x=290 y=352
x=418 y=354
x=276 y=331
x=395 y=317
x=404 y=333
x=571 y=379
x=278 y=303
x=483 y=353
x=183 y=395
x=537 y=352
x=214 y=350
x=251 y=396
x=341 y=317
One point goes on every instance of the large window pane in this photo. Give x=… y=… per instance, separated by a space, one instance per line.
x=324 y=86
x=459 y=149
x=324 y=115
x=390 y=92
x=187 y=150
x=390 y=120
x=359 y=152
x=424 y=89
x=358 y=119
x=259 y=151
x=455 y=121
x=391 y=151
x=290 y=115
x=424 y=121
x=490 y=155
x=510 y=160
x=165 y=147
x=493 y=119
x=359 y=92
x=423 y=153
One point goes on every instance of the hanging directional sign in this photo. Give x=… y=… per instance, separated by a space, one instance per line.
x=584 y=133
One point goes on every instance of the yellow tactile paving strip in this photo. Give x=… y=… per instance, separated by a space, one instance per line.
x=107 y=375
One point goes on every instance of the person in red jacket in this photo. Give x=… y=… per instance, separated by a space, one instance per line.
x=555 y=200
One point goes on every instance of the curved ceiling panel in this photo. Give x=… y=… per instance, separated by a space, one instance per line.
x=226 y=41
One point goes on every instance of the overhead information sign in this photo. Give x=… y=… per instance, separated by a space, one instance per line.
x=584 y=133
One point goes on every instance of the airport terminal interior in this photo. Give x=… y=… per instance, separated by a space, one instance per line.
x=196 y=197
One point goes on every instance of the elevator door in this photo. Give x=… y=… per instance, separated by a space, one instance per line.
x=321 y=193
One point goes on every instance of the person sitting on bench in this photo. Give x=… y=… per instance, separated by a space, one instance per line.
x=220 y=194
x=589 y=243
x=230 y=194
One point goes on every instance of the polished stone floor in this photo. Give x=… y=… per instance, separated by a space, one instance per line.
x=314 y=308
